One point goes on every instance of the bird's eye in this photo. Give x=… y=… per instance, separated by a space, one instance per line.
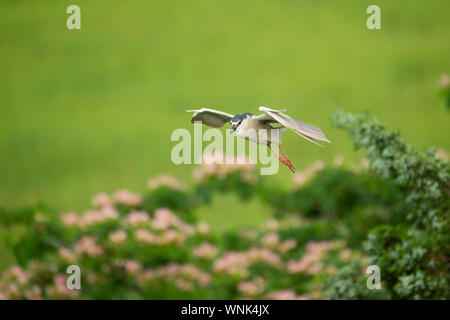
x=239 y=122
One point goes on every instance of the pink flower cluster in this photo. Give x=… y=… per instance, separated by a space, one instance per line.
x=202 y=228
x=339 y=160
x=166 y=181
x=185 y=276
x=165 y=218
x=167 y=228
x=136 y=219
x=248 y=235
x=285 y=295
x=145 y=236
x=117 y=237
x=17 y=274
x=362 y=166
x=301 y=178
x=127 y=198
x=444 y=81
x=205 y=251
x=16 y=285
x=271 y=225
x=287 y=245
x=90 y=217
x=168 y=237
x=345 y=255
x=102 y=200
x=67 y=255
x=122 y=196
x=236 y=263
x=88 y=246
x=132 y=267
x=252 y=288
x=12 y=291
x=311 y=260
x=165 y=237
x=232 y=263
x=255 y=255
x=442 y=154
x=288 y=222
x=272 y=241
x=58 y=289
x=215 y=165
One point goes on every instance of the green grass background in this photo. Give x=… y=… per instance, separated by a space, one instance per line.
x=92 y=110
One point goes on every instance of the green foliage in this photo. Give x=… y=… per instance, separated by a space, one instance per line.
x=349 y=192
x=413 y=254
x=423 y=178
x=164 y=196
x=359 y=201
x=326 y=230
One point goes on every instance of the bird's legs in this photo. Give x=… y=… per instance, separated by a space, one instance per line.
x=284 y=161
x=286 y=157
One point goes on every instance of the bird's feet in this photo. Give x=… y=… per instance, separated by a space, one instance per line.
x=286 y=159
x=287 y=163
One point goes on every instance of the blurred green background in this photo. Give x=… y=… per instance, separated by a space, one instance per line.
x=92 y=110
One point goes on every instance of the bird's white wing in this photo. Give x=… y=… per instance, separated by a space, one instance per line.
x=211 y=117
x=307 y=131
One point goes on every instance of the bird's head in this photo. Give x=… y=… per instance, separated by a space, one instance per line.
x=237 y=120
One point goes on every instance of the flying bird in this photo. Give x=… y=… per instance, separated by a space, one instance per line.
x=243 y=125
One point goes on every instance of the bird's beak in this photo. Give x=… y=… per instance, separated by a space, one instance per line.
x=233 y=128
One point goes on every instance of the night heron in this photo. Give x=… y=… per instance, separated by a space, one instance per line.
x=246 y=123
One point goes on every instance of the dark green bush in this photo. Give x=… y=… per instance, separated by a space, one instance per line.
x=413 y=254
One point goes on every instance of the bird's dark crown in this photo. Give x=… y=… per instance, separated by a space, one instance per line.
x=240 y=117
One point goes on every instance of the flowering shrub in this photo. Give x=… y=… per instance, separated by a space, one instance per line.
x=158 y=256
x=151 y=246
x=127 y=247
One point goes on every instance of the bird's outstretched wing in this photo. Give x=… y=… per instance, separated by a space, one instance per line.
x=307 y=131
x=211 y=117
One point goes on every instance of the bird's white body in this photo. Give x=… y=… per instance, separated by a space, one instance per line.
x=259 y=132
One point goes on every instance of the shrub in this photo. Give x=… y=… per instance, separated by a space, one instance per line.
x=413 y=254
x=133 y=246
